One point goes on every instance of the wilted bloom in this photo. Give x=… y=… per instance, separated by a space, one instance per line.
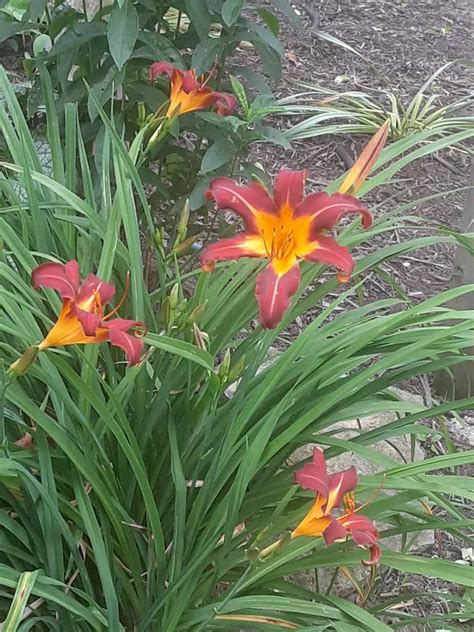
x=331 y=490
x=82 y=319
x=188 y=93
x=284 y=228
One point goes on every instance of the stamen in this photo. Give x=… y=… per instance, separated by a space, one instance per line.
x=122 y=298
x=265 y=244
x=97 y=305
x=209 y=76
x=349 y=502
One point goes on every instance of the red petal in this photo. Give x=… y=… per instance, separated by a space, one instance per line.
x=233 y=248
x=289 y=188
x=335 y=531
x=64 y=278
x=326 y=210
x=189 y=80
x=273 y=292
x=118 y=337
x=161 y=68
x=120 y=324
x=364 y=538
x=93 y=284
x=329 y=252
x=88 y=320
x=314 y=475
x=339 y=484
x=375 y=556
x=359 y=522
x=246 y=201
x=225 y=103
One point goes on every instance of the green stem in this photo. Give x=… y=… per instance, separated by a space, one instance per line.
x=332 y=582
x=178 y=25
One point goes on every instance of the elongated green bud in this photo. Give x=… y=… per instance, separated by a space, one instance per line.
x=183 y=222
x=21 y=366
x=174 y=296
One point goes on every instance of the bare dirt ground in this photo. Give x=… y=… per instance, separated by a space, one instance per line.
x=405 y=43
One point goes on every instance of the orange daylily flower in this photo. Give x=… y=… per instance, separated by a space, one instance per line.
x=82 y=319
x=358 y=173
x=331 y=490
x=283 y=228
x=188 y=94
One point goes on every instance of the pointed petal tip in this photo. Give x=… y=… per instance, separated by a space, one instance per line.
x=273 y=292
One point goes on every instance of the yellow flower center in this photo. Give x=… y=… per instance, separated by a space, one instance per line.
x=284 y=237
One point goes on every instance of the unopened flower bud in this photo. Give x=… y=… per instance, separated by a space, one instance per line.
x=196 y=313
x=225 y=366
x=21 y=366
x=200 y=338
x=141 y=114
x=183 y=222
x=174 y=296
x=236 y=370
x=158 y=238
x=184 y=246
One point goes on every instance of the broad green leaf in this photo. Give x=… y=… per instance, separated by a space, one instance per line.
x=206 y=54
x=199 y=15
x=122 y=32
x=231 y=10
x=80 y=34
x=273 y=135
x=218 y=154
x=270 y=20
x=286 y=8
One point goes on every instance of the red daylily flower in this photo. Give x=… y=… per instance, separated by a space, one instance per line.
x=331 y=490
x=283 y=228
x=82 y=319
x=188 y=94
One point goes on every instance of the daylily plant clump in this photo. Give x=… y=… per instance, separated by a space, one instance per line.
x=286 y=226
x=332 y=490
x=82 y=319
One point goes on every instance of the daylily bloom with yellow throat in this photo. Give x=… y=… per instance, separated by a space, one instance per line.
x=188 y=94
x=82 y=319
x=332 y=489
x=283 y=228
x=288 y=227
